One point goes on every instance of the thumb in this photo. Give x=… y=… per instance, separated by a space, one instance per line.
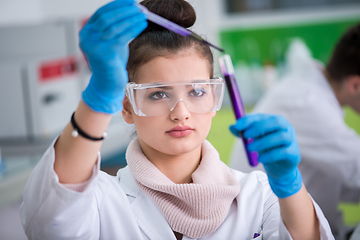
x=234 y=131
x=240 y=125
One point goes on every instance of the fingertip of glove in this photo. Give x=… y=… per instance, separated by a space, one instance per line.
x=130 y=2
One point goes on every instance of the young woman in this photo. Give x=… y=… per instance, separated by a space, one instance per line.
x=175 y=186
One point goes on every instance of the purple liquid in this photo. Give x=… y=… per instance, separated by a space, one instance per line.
x=239 y=112
x=234 y=94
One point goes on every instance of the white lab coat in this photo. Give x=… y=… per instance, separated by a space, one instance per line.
x=330 y=150
x=115 y=208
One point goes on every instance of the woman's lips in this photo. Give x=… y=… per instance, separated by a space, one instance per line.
x=180 y=131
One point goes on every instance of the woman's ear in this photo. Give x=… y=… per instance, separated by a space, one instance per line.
x=354 y=85
x=357 y=85
x=127 y=111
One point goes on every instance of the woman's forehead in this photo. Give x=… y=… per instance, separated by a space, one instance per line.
x=180 y=67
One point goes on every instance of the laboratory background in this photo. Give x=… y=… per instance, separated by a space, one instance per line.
x=43 y=72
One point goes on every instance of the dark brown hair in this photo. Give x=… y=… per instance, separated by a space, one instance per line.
x=156 y=41
x=345 y=60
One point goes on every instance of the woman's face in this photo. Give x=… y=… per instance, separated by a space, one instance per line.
x=156 y=133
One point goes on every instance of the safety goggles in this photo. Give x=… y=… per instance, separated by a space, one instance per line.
x=156 y=99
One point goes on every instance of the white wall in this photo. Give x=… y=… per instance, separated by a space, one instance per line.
x=32 y=11
x=20 y=11
x=209 y=12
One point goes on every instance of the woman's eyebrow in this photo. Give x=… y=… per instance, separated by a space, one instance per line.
x=200 y=81
x=163 y=87
x=188 y=84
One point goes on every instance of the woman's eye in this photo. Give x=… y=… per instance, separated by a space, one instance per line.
x=158 y=95
x=197 y=92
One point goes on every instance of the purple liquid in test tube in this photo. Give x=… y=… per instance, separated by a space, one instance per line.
x=227 y=70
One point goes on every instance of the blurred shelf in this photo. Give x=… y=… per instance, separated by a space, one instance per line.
x=13 y=177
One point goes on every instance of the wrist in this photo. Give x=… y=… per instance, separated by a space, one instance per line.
x=78 y=131
x=286 y=186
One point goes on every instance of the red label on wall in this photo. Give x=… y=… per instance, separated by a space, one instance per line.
x=57 y=68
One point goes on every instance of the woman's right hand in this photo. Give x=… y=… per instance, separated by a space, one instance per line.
x=275 y=140
x=104 y=40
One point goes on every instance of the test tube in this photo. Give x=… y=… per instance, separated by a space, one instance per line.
x=227 y=70
x=174 y=27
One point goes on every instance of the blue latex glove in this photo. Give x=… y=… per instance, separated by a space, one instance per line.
x=275 y=141
x=104 y=40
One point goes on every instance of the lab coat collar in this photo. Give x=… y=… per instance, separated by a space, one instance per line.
x=148 y=216
x=127 y=182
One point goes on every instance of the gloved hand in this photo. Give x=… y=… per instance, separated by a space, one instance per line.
x=275 y=141
x=104 y=40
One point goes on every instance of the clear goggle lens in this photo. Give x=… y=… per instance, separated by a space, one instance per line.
x=156 y=99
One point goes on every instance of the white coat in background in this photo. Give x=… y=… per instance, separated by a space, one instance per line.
x=116 y=208
x=330 y=150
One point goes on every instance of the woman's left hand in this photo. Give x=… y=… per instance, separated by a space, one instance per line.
x=275 y=141
x=105 y=42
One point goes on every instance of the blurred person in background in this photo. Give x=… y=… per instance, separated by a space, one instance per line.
x=311 y=98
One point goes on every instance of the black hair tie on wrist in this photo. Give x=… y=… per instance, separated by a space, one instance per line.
x=77 y=131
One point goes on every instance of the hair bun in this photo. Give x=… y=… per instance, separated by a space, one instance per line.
x=177 y=11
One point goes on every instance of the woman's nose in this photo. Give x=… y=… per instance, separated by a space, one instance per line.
x=180 y=111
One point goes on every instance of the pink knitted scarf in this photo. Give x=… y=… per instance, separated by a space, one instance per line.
x=196 y=209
